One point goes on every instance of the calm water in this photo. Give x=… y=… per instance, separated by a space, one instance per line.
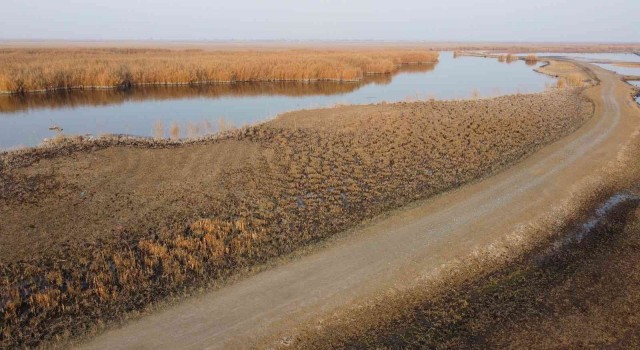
x=598 y=57
x=25 y=121
x=621 y=70
x=593 y=57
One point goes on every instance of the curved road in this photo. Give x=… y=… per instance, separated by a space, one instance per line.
x=394 y=250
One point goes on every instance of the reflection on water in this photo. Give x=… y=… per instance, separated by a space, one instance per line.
x=25 y=120
x=77 y=98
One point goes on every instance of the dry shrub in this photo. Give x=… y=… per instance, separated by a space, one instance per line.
x=574 y=80
x=571 y=80
x=531 y=59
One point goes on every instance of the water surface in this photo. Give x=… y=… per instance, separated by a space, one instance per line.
x=620 y=70
x=150 y=111
x=592 y=57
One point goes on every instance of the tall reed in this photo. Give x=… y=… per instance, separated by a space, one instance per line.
x=25 y=70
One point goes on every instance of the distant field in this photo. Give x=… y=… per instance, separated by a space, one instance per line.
x=330 y=45
x=43 y=69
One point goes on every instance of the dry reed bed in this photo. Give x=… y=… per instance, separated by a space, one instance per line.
x=25 y=70
x=65 y=99
x=71 y=261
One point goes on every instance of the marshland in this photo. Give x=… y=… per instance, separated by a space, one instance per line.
x=198 y=110
x=152 y=212
x=319 y=175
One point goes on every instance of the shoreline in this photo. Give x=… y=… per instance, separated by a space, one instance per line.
x=120 y=139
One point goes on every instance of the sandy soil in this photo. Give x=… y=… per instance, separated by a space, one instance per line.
x=394 y=251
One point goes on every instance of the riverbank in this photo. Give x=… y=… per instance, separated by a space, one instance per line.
x=93 y=230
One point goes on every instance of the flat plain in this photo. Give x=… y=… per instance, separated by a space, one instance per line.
x=96 y=232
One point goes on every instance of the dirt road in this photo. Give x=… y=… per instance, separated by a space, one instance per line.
x=397 y=249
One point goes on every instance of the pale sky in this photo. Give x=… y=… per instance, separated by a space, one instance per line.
x=414 y=20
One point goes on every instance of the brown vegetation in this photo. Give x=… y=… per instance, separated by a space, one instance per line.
x=531 y=59
x=568 y=74
x=25 y=70
x=511 y=58
x=572 y=80
x=574 y=289
x=345 y=45
x=65 y=99
x=627 y=64
x=94 y=230
x=508 y=58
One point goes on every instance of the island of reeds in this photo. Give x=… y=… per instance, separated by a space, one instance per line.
x=33 y=70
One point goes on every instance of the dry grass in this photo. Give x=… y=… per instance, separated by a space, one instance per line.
x=531 y=59
x=578 y=294
x=125 y=226
x=508 y=58
x=158 y=130
x=174 y=131
x=511 y=58
x=372 y=45
x=569 y=74
x=65 y=99
x=627 y=64
x=571 y=80
x=24 y=70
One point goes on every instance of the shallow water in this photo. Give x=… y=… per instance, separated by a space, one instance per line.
x=592 y=57
x=621 y=70
x=25 y=121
